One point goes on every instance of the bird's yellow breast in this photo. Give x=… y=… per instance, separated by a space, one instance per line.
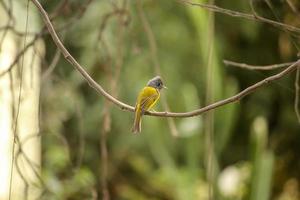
x=147 y=98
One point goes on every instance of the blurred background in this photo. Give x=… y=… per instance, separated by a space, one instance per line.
x=71 y=143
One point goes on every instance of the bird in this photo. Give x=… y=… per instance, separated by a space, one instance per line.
x=146 y=99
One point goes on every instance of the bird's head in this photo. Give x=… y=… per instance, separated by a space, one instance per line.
x=156 y=82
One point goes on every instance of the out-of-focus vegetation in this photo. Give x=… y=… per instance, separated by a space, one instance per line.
x=256 y=141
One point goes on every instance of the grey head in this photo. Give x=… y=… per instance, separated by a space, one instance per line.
x=156 y=82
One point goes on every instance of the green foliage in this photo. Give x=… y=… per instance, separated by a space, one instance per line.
x=262 y=160
x=155 y=165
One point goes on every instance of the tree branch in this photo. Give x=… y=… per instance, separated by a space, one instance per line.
x=248 y=16
x=124 y=106
x=256 y=67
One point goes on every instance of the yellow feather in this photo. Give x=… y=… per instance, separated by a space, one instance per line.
x=145 y=101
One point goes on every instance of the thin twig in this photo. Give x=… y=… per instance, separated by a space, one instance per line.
x=73 y=62
x=293 y=7
x=8 y=24
x=296 y=102
x=22 y=176
x=37 y=35
x=52 y=65
x=248 y=16
x=15 y=135
x=81 y=138
x=257 y=67
x=127 y=107
x=20 y=54
x=78 y=14
x=108 y=16
x=297 y=91
x=104 y=152
x=114 y=80
x=271 y=7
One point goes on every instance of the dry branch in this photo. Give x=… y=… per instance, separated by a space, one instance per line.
x=256 y=67
x=124 y=106
x=248 y=16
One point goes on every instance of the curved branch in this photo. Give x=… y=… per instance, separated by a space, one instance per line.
x=73 y=62
x=124 y=106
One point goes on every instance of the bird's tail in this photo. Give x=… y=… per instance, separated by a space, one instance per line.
x=137 y=124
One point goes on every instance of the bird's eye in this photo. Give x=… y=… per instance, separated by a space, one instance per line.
x=158 y=84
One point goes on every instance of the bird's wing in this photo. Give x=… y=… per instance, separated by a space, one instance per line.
x=148 y=102
x=146 y=99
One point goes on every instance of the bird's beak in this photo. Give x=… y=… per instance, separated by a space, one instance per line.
x=165 y=87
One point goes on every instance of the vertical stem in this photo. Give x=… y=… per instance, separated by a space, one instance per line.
x=296 y=103
x=209 y=118
x=104 y=154
x=106 y=126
